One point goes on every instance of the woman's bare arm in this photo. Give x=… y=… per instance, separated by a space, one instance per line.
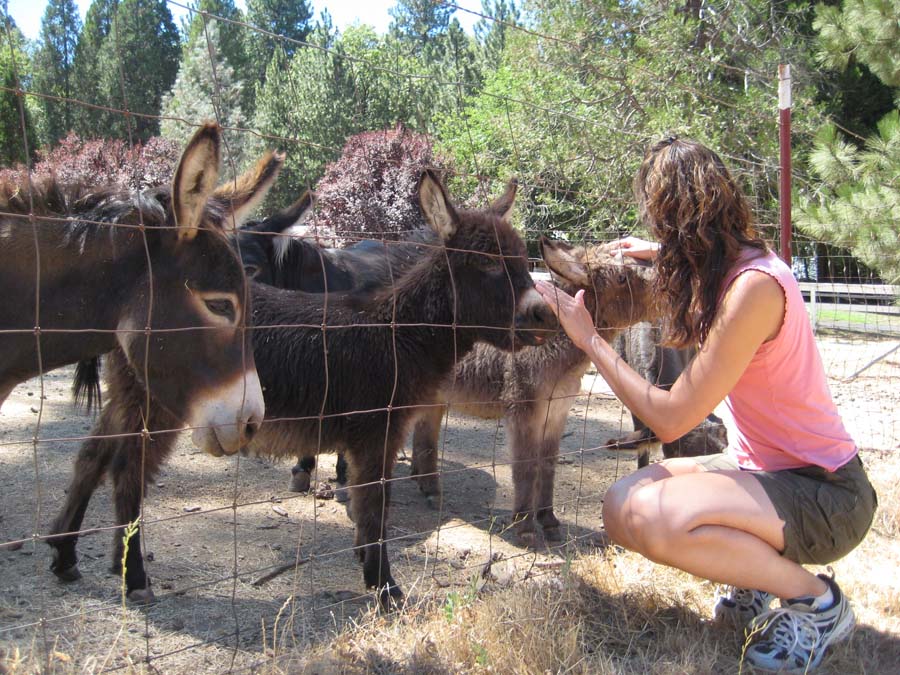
x=751 y=313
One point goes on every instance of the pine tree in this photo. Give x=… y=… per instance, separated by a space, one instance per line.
x=323 y=97
x=491 y=35
x=54 y=67
x=88 y=121
x=138 y=64
x=462 y=59
x=231 y=45
x=231 y=42
x=290 y=19
x=206 y=89
x=866 y=31
x=15 y=72
x=421 y=24
x=574 y=102
x=857 y=203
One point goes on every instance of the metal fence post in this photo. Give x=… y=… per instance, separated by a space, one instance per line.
x=784 y=142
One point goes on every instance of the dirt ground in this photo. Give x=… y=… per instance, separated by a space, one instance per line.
x=212 y=527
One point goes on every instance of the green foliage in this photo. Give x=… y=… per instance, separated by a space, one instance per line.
x=322 y=95
x=421 y=24
x=857 y=205
x=138 y=63
x=491 y=34
x=98 y=22
x=456 y=601
x=54 y=68
x=206 y=89
x=576 y=101
x=866 y=31
x=15 y=73
x=289 y=19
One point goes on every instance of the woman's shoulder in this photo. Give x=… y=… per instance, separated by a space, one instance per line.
x=755 y=285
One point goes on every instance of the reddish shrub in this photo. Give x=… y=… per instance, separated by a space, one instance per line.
x=107 y=162
x=370 y=191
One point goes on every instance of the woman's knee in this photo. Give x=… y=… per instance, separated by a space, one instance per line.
x=631 y=517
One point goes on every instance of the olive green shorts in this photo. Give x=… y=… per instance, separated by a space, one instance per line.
x=826 y=515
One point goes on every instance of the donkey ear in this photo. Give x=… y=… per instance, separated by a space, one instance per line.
x=436 y=206
x=565 y=261
x=195 y=178
x=298 y=212
x=503 y=205
x=247 y=191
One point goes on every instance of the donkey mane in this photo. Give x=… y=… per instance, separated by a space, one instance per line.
x=89 y=210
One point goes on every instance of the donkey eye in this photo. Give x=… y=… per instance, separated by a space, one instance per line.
x=251 y=271
x=221 y=307
x=488 y=263
x=623 y=279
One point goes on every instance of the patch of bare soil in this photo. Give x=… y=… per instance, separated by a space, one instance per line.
x=215 y=528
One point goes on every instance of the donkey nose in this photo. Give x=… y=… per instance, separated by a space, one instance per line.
x=537 y=315
x=249 y=429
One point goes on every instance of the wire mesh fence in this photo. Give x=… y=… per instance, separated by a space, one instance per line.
x=505 y=484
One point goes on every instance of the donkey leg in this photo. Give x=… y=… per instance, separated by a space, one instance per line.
x=90 y=466
x=370 y=497
x=426 y=436
x=524 y=450
x=342 y=494
x=127 y=492
x=549 y=455
x=301 y=473
x=549 y=432
x=130 y=481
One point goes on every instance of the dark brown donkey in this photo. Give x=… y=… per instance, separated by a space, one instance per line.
x=533 y=388
x=150 y=279
x=346 y=372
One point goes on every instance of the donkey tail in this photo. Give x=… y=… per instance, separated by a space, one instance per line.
x=86 y=387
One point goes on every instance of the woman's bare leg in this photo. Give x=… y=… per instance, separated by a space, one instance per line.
x=718 y=525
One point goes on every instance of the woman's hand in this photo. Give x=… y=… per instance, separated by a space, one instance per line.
x=571 y=312
x=634 y=247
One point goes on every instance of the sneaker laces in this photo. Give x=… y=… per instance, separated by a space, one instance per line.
x=740 y=596
x=792 y=630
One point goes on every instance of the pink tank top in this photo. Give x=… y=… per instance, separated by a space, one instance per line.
x=780 y=414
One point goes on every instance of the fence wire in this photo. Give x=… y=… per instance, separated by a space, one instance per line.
x=244 y=570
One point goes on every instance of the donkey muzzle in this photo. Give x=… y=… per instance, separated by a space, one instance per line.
x=535 y=321
x=228 y=418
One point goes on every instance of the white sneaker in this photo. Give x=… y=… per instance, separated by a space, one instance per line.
x=738 y=606
x=794 y=637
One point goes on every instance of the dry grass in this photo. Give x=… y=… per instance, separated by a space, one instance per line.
x=607 y=612
x=611 y=612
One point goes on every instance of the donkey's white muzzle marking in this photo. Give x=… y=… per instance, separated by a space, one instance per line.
x=227 y=418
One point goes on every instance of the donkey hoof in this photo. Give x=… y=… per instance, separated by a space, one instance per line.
x=433 y=502
x=548 y=521
x=300 y=482
x=552 y=534
x=429 y=486
x=390 y=598
x=342 y=494
x=527 y=538
x=67 y=574
x=141 y=596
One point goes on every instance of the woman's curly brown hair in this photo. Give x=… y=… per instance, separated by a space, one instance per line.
x=701 y=219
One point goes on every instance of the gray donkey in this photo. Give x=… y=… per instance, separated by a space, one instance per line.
x=641 y=347
x=534 y=388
